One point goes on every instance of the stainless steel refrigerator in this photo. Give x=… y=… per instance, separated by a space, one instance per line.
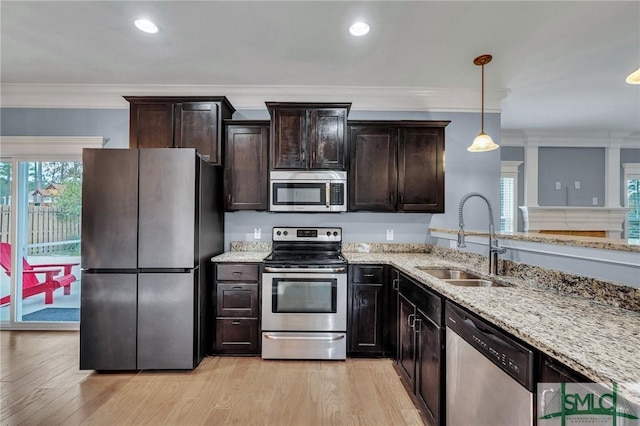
x=151 y=220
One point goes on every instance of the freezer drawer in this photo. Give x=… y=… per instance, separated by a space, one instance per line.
x=166 y=321
x=108 y=322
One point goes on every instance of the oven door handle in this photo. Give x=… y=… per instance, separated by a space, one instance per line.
x=314 y=270
x=329 y=339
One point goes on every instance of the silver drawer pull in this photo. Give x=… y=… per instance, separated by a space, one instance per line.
x=236 y=274
x=236 y=288
x=368 y=275
x=328 y=339
x=236 y=322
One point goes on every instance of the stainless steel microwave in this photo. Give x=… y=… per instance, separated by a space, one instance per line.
x=308 y=191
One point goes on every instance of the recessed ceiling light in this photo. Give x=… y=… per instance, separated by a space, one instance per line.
x=634 y=77
x=146 y=26
x=359 y=29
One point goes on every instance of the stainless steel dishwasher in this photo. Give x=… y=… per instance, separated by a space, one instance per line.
x=489 y=376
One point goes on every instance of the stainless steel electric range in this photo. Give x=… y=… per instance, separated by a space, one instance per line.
x=304 y=295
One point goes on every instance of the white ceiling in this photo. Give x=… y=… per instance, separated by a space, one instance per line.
x=557 y=66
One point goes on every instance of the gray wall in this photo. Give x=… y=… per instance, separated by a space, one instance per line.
x=464 y=172
x=112 y=124
x=568 y=165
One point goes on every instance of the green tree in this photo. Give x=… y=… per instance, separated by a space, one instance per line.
x=69 y=202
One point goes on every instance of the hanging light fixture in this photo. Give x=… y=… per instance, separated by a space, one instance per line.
x=483 y=141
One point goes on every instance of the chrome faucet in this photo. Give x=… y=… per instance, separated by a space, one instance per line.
x=494 y=249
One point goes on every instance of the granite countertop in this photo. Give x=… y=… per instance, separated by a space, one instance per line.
x=241 y=256
x=600 y=341
x=567 y=240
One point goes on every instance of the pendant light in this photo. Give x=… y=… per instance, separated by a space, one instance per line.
x=483 y=141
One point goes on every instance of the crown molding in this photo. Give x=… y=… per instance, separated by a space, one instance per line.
x=596 y=139
x=254 y=97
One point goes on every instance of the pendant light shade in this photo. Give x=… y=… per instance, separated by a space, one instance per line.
x=483 y=141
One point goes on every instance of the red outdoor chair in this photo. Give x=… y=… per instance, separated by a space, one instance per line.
x=30 y=282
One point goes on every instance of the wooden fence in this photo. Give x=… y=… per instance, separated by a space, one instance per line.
x=46 y=232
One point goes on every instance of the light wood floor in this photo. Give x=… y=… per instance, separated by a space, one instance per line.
x=41 y=385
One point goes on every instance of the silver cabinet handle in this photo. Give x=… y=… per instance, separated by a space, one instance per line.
x=368 y=275
x=416 y=325
x=410 y=321
x=395 y=284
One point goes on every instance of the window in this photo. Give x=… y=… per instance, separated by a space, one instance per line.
x=632 y=200
x=509 y=195
x=40 y=200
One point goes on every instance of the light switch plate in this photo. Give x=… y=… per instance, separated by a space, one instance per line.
x=576 y=184
x=558 y=185
x=594 y=201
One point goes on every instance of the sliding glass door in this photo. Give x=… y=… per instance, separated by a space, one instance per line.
x=41 y=259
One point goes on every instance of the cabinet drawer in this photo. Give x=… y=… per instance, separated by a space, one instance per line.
x=368 y=274
x=237 y=336
x=238 y=272
x=236 y=300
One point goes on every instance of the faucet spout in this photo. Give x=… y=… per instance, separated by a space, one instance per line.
x=494 y=248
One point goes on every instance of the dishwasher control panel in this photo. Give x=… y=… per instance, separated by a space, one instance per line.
x=511 y=356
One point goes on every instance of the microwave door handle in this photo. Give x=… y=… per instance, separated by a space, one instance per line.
x=328 y=194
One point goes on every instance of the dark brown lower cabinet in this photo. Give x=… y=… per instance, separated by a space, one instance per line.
x=366 y=310
x=236 y=298
x=421 y=347
x=237 y=335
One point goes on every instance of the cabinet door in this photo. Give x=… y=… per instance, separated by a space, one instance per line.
x=247 y=180
x=151 y=125
x=367 y=308
x=421 y=170
x=237 y=300
x=166 y=321
x=108 y=322
x=406 y=334
x=372 y=176
x=237 y=336
x=429 y=366
x=196 y=126
x=327 y=138
x=289 y=139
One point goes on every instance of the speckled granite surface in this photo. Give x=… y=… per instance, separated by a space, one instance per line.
x=241 y=256
x=600 y=341
x=384 y=248
x=589 y=242
x=558 y=282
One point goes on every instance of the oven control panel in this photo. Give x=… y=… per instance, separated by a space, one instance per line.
x=321 y=235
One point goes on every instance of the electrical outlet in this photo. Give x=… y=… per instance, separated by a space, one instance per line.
x=594 y=201
x=452 y=244
x=257 y=233
x=389 y=234
x=558 y=185
x=576 y=184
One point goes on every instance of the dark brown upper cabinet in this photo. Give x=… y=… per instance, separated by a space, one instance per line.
x=308 y=136
x=246 y=184
x=396 y=166
x=179 y=122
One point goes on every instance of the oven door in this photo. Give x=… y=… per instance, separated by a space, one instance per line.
x=304 y=301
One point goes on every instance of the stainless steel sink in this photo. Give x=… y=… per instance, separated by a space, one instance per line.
x=449 y=274
x=474 y=283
